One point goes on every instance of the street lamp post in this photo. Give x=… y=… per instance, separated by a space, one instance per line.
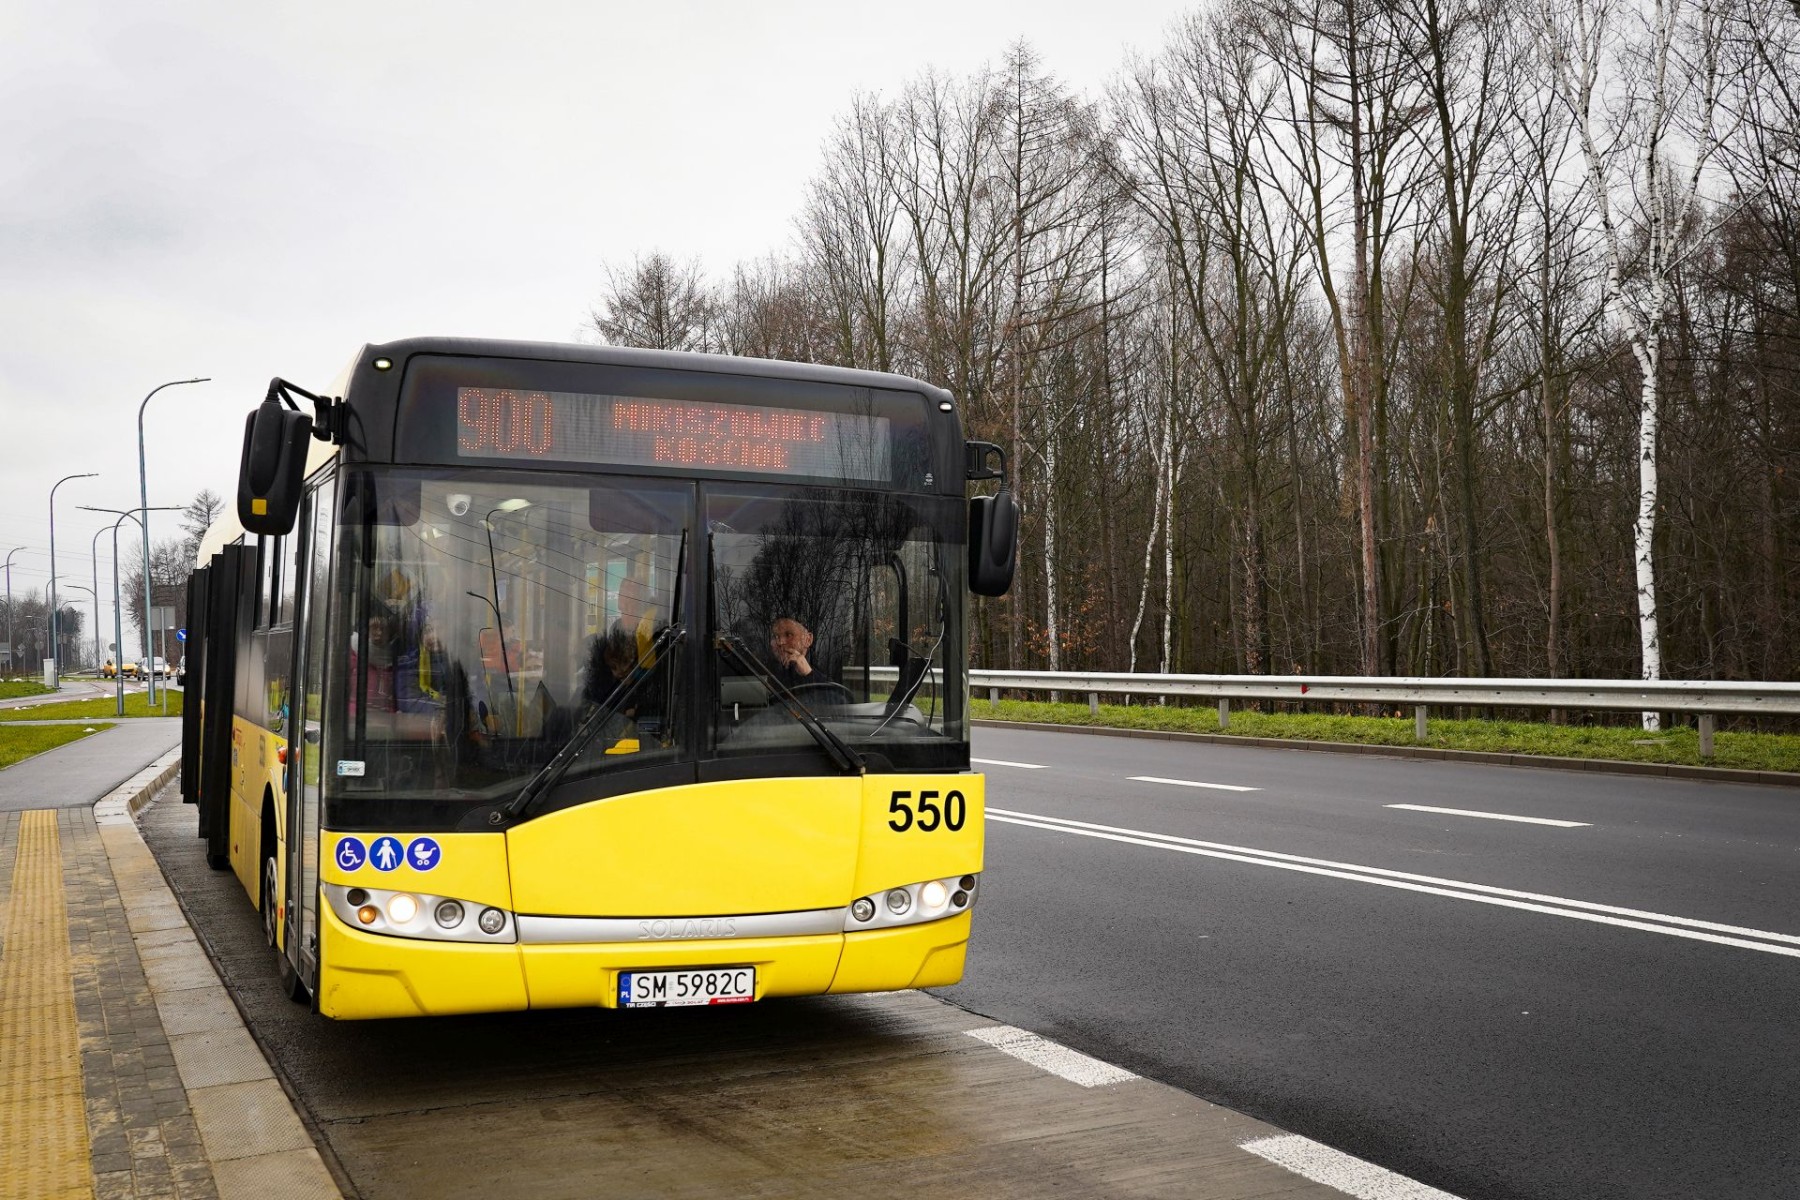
x=95 y=597
x=56 y=667
x=94 y=558
x=11 y=647
x=118 y=609
x=143 y=508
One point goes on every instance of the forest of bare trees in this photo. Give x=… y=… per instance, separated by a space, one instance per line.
x=1414 y=337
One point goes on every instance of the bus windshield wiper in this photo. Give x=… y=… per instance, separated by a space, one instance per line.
x=746 y=660
x=629 y=687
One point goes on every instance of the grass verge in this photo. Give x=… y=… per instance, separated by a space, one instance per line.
x=12 y=689
x=21 y=742
x=136 y=705
x=1740 y=751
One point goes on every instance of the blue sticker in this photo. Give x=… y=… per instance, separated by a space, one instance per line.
x=350 y=854
x=386 y=853
x=422 y=854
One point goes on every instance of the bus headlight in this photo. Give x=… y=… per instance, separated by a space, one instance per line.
x=402 y=908
x=913 y=904
x=404 y=915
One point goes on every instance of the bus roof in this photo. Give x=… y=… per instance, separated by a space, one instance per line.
x=669 y=360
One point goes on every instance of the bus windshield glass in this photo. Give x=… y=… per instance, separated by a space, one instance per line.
x=835 y=607
x=481 y=614
x=483 y=618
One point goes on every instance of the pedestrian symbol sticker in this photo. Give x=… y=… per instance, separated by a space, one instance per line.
x=349 y=853
x=386 y=853
x=422 y=854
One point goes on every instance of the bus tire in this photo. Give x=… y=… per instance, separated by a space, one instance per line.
x=285 y=975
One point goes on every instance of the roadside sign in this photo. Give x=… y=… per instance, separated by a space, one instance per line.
x=181 y=635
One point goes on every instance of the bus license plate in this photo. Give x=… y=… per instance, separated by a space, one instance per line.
x=667 y=989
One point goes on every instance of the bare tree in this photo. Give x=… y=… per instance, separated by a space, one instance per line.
x=852 y=237
x=198 y=517
x=1348 y=109
x=656 y=304
x=1671 y=81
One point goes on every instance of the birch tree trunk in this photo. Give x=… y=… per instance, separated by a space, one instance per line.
x=1647 y=122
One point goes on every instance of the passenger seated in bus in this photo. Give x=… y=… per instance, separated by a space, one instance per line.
x=375 y=652
x=422 y=675
x=610 y=661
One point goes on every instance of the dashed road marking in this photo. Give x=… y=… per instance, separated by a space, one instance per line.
x=1335 y=1169
x=1047 y=1055
x=1556 y=906
x=1218 y=787
x=1001 y=762
x=1490 y=816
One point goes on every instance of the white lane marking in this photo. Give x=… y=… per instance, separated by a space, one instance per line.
x=1221 y=787
x=1333 y=1168
x=1480 y=893
x=1046 y=1055
x=1469 y=812
x=1001 y=762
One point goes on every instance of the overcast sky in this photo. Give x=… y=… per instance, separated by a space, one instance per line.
x=244 y=190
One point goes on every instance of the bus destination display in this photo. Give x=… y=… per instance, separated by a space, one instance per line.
x=640 y=431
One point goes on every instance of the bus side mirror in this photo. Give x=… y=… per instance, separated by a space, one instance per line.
x=273 y=468
x=993 y=543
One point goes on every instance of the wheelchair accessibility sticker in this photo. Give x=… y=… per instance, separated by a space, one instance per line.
x=386 y=853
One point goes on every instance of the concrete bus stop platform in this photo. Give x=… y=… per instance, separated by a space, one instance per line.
x=125 y=1070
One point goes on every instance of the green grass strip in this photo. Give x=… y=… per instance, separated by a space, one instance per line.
x=12 y=689
x=21 y=742
x=1739 y=751
x=136 y=705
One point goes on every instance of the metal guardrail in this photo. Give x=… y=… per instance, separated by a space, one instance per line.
x=1707 y=698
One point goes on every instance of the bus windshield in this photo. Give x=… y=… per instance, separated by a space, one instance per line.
x=483 y=617
x=834 y=607
x=483 y=612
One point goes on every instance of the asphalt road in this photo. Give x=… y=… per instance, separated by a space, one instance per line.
x=1603 y=1006
x=1616 y=1015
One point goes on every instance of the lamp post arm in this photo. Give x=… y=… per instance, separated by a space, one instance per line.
x=144 y=506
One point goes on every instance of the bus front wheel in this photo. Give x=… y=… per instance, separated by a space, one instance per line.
x=288 y=978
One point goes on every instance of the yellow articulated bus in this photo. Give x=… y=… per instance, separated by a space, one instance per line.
x=534 y=676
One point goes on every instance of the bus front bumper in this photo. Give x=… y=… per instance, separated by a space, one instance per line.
x=365 y=975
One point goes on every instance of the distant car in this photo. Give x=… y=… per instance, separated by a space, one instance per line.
x=131 y=670
x=158 y=666
x=108 y=669
x=181 y=670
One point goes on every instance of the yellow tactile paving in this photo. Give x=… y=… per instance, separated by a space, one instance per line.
x=44 y=1150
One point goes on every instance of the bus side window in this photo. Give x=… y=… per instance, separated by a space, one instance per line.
x=282 y=610
x=272 y=582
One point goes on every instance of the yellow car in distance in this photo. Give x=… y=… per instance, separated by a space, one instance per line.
x=130 y=671
x=108 y=669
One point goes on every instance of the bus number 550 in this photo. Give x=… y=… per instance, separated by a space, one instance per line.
x=931 y=815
